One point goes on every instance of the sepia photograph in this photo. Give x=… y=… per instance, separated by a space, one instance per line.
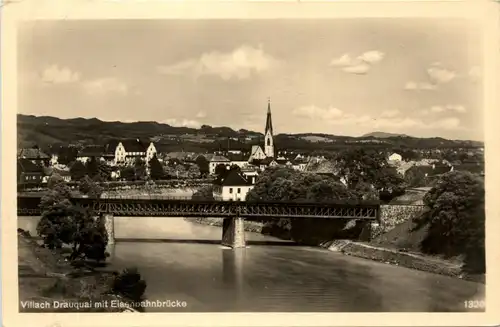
x=331 y=165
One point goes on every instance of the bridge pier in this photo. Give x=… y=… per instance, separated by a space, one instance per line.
x=109 y=224
x=233 y=232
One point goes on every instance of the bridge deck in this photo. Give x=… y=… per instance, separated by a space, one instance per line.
x=194 y=208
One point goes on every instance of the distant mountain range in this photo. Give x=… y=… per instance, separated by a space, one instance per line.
x=45 y=130
x=382 y=135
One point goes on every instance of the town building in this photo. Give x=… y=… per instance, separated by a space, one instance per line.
x=250 y=174
x=233 y=187
x=126 y=152
x=395 y=157
x=93 y=151
x=257 y=153
x=35 y=155
x=216 y=160
x=29 y=172
x=65 y=174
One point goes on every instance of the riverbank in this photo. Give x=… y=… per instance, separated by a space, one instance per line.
x=374 y=253
x=49 y=283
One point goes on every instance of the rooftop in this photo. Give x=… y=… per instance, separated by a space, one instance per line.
x=233 y=178
x=31 y=153
x=26 y=166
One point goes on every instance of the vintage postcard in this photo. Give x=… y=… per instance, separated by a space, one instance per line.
x=249 y=163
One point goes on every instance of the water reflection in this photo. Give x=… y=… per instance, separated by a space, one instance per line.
x=233 y=274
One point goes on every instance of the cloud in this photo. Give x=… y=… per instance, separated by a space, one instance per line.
x=360 y=69
x=201 y=114
x=390 y=113
x=240 y=64
x=344 y=60
x=420 y=86
x=314 y=112
x=182 y=122
x=388 y=120
x=372 y=56
x=437 y=74
x=448 y=107
x=440 y=75
x=105 y=85
x=360 y=64
x=59 y=75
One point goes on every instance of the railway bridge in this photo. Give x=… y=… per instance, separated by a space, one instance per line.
x=233 y=212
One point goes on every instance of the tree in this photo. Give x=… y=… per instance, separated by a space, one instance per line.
x=365 y=166
x=203 y=165
x=129 y=284
x=127 y=173
x=55 y=225
x=285 y=184
x=104 y=173
x=78 y=171
x=221 y=170
x=416 y=176
x=204 y=193
x=66 y=155
x=139 y=169
x=156 y=169
x=89 y=187
x=64 y=223
x=359 y=165
x=193 y=171
x=389 y=183
x=93 y=167
x=456 y=219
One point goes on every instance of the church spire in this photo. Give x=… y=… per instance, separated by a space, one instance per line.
x=268 y=134
x=269 y=122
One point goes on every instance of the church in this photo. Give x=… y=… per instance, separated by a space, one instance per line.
x=257 y=153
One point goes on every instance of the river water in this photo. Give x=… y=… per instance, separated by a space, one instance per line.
x=184 y=261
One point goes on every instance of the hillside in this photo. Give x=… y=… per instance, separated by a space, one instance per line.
x=382 y=135
x=45 y=131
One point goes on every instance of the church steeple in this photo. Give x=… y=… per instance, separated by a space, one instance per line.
x=268 y=134
x=269 y=121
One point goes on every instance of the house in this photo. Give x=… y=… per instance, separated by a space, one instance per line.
x=250 y=174
x=35 y=155
x=54 y=160
x=28 y=172
x=64 y=173
x=125 y=152
x=395 y=157
x=264 y=163
x=92 y=151
x=233 y=187
x=256 y=153
x=299 y=164
x=216 y=160
x=238 y=159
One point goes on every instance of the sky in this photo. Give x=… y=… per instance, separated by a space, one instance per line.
x=420 y=77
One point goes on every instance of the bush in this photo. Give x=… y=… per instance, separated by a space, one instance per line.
x=129 y=284
x=204 y=193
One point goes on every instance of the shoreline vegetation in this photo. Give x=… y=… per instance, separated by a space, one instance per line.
x=48 y=282
x=364 y=250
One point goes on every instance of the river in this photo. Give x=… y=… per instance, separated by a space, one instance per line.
x=184 y=261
